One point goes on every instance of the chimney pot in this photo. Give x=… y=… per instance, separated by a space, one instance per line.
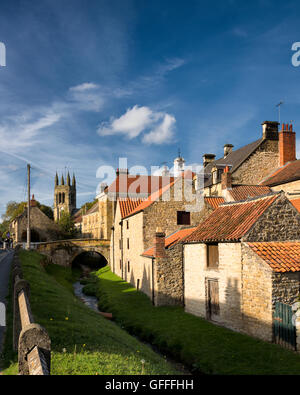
x=227 y=149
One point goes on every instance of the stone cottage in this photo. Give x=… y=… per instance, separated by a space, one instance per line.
x=241 y=261
x=42 y=227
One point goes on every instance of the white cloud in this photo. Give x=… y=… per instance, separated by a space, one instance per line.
x=158 y=126
x=84 y=87
x=163 y=132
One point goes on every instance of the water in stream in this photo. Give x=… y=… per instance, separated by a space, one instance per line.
x=90 y=301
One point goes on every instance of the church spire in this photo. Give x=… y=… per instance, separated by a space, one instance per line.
x=73 y=181
x=56 y=180
x=62 y=180
x=68 y=179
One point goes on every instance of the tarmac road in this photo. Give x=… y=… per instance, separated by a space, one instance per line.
x=5 y=266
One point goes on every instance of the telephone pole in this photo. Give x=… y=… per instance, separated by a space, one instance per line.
x=28 y=209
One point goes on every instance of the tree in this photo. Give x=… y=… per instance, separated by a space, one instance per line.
x=67 y=225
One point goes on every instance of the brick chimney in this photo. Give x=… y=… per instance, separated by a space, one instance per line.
x=227 y=149
x=159 y=244
x=287 y=144
x=226 y=179
x=208 y=158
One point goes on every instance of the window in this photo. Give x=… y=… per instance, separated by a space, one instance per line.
x=120 y=264
x=138 y=284
x=128 y=244
x=128 y=266
x=127 y=224
x=120 y=244
x=212 y=255
x=183 y=218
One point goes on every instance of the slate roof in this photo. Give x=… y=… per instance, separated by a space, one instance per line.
x=243 y=192
x=235 y=159
x=280 y=256
x=288 y=173
x=231 y=221
x=171 y=240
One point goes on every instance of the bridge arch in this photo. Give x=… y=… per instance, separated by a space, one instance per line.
x=63 y=252
x=94 y=259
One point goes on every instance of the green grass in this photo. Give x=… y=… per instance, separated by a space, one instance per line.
x=83 y=342
x=204 y=347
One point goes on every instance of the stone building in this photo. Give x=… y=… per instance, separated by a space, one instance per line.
x=241 y=261
x=42 y=227
x=64 y=196
x=135 y=224
x=252 y=163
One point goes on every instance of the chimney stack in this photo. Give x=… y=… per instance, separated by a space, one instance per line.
x=227 y=149
x=270 y=130
x=287 y=144
x=226 y=179
x=208 y=158
x=159 y=245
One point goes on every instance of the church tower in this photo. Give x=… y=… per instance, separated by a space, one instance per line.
x=64 y=196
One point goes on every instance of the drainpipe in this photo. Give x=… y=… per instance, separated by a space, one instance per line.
x=122 y=268
x=153 y=293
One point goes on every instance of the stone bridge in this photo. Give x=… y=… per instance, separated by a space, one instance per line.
x=63 y=252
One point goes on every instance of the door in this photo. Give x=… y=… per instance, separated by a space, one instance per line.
x=213 y=307
x=284 y=331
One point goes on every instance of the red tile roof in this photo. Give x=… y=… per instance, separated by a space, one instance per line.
x=243 y=192
x=172 y=240
x=231 y=221
x=128 y=185
x=296 y=203
x=214 y=201
x=127 y=206
x=280 y=256
x=288 y=173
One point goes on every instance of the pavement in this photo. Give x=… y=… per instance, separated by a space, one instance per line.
x=5 y=267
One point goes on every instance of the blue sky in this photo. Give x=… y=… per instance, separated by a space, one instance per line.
x=87 y=82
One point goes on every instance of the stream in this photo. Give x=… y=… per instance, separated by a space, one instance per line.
x=92 y=302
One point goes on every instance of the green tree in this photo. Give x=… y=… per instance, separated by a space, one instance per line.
x=67 y=225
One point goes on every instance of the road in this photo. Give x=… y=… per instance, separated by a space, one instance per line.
x=5 y=266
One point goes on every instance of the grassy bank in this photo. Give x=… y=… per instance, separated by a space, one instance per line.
x=195 y=342
x=83 y=342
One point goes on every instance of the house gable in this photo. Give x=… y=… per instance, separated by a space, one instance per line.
x=279 y=222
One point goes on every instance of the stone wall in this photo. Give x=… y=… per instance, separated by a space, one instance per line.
x=291 y=187
x=259 y=165
x=286 y=288
x=228 y=275
x=280 y=222
x=168 y=277
x=256 y=295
